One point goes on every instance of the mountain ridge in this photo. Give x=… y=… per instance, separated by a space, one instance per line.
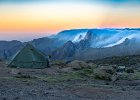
x=93 y=40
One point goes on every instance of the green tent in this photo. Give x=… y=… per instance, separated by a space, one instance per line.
x=28 y=57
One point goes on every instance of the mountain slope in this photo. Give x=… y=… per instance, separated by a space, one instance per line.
x=9 y=48
x=47 y=45
x=99 y=38
x=67 y=51
x=128 y=47
x=69 y=35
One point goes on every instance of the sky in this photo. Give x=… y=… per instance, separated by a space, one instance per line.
x=27 y=19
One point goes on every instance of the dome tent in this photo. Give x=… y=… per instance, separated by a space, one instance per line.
x=28 y=57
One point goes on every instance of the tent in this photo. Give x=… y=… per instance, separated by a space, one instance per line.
x=28 y=57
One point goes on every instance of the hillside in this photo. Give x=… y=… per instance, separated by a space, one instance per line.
x=128 y=61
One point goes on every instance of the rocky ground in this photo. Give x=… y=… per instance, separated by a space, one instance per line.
x=63 y=83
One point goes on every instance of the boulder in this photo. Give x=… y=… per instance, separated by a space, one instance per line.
x=104 y=72
x=77 y=65
x=59 y=63
x=15 y=71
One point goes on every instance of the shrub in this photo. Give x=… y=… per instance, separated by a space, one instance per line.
x=23 y=76
x=59 y=63
x=130 y=70
x=77 y=65
x=104 y=72
x=86 y=71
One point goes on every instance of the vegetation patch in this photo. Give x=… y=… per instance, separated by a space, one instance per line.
x=58 y=63
x=61 y=77
x=75 y=75
x=130 y=70
x=119 y=60
x=104 y=72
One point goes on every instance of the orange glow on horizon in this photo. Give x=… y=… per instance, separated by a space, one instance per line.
x=46 y=19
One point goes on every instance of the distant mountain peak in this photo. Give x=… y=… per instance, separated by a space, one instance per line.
x=79 y=37
x=88 y=35
x=69 y=43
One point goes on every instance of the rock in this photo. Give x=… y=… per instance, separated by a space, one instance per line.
x=104 y=72
x=15 y=71
x=77 y=65
x=114 y=78
x=59 y=63
x=92 y=65
x=16 y=98
x=65 y=70
x=4 y=98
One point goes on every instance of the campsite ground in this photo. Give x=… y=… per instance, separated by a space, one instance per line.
x=61 y=83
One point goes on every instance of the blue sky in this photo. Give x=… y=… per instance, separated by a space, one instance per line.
x=103 y=1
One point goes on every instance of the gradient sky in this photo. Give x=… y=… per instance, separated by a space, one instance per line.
x=27 y=19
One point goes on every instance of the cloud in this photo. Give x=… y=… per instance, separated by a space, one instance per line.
x=136 y=35
x=79 y=37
